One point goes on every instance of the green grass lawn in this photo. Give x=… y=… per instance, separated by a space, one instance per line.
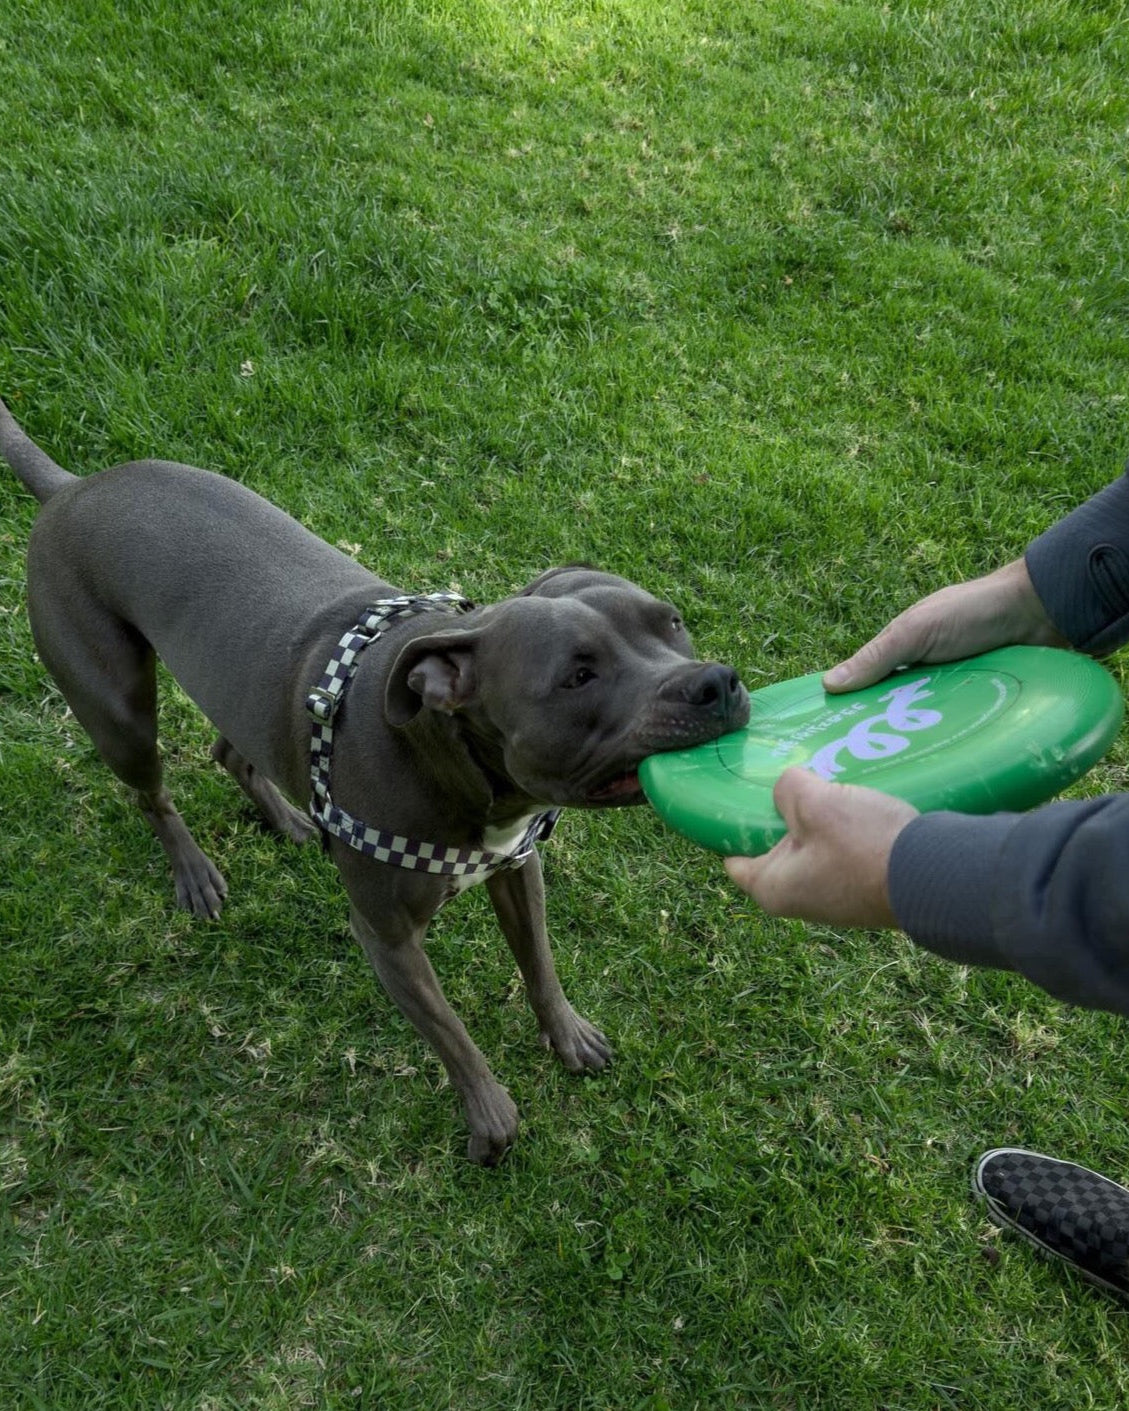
x=789 y=311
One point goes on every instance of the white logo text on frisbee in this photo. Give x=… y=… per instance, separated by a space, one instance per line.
x=880 y=736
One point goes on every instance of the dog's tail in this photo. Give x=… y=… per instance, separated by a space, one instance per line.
x=34 y=467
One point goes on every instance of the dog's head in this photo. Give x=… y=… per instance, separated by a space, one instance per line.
x=569 y=685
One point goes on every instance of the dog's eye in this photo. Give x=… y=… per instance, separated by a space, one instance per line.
x=676 y=624
x=580 y=677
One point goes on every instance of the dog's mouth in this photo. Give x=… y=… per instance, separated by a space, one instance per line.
x=621 y=789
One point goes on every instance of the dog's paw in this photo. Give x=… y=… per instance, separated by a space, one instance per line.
x=492 y=1117
x=579 y=1045
x=200 y=887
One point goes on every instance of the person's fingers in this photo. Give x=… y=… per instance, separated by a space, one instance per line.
x=831 y=864
x=768 y=879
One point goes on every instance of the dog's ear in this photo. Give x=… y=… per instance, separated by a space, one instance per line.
x=432 y=673
x=563 y=582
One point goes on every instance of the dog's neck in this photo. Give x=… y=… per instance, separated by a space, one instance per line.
x=469 y=765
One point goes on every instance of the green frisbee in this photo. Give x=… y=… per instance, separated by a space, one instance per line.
x=998 y=732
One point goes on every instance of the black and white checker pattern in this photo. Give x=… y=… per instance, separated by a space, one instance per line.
x=430 y=857
x=1065 y=1209
x=323 y=702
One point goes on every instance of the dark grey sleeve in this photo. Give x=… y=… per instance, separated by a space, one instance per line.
x=1044 y=893
x=1080 y=570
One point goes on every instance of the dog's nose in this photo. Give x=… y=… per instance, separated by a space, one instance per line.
x=715 y=688
x=713 y=685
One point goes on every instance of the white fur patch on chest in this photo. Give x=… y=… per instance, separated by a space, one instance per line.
x=504 y=839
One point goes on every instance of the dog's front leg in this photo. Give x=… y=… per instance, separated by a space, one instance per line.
x=398 y=957
x=518 y=897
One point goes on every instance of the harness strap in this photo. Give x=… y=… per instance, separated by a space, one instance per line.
x=323 y=703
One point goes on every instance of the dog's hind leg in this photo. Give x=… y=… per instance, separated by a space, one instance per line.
x=106 y=670
x=281 y=815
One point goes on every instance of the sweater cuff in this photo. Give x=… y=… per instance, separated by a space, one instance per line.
x=941 y=877
x=1080 y=570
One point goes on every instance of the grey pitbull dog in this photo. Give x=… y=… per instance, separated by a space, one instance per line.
x=457 y=734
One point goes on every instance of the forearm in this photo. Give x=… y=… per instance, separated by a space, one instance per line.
x=1044 y=893
x=1080 y=570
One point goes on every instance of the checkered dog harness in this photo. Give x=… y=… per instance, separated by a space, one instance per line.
x=323 y=703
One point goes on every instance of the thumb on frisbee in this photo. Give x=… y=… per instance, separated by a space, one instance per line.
x=789 y=792
x=870 y=663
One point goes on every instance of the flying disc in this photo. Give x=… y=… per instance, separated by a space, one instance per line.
x=998 y=732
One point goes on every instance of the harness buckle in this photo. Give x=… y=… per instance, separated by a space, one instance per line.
x=322 y=704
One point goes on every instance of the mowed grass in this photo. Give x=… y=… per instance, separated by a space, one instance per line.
x=790 y=312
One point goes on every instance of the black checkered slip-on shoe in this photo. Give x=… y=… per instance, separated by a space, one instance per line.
x=1064 y=1209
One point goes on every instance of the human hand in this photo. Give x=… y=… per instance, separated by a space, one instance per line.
x=999 y=610
x=831 y=865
